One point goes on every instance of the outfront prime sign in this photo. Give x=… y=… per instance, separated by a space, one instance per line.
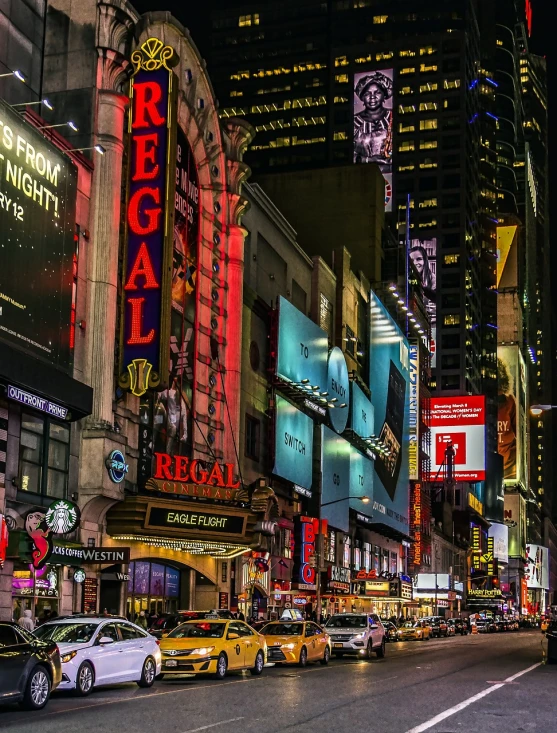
x=38 y=187
x=36 y=402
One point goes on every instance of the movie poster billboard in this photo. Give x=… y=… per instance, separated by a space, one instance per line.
x=373 y=123
x=536 y=571
x=38 y=189
x=458 y=422
x=423 y=254
x=511 y=412
x=172 y=410
x=390 y=394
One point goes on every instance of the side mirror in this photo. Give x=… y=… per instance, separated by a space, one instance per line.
x=233 y=635
x=106 y=640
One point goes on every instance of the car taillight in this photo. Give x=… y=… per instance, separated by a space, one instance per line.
x=158 y=642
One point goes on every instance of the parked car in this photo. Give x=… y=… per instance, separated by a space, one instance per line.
x=439 y=626
x=212 y=646
x=485 y=626
x=29 y=668
x=451 y=630
x=296 y=642
x=90 y=649
x=460 y=625
x=356 y=633
x=167 y=621
x=418 y=631
x=390 y=631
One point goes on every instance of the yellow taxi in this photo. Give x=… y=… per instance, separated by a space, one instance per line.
x=212 y=646
x=417 y=630
x=296 y=642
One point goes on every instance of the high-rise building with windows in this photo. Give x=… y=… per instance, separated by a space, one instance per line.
x=292 y=69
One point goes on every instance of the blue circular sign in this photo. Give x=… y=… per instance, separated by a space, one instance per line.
x=338 y=388
x=117 y=466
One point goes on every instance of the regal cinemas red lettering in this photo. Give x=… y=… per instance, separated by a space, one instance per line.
x=146 y=216
x=183 y=470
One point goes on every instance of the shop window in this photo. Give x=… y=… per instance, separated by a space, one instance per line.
x=394 y=563
x=376 y=558
x=252 y=438
x=44 y=455
x=357 y=558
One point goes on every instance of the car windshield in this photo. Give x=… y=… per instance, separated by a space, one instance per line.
x=408 y=625
x=67 y=633
x=203 y=630
x=347 y=622
x=285 y=629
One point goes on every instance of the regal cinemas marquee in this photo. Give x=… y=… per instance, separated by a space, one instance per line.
x=180 y=317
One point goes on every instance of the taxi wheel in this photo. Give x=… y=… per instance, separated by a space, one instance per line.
x=381 y=651
x=222 y=667
x=326 y=656
x=303 y=657
x=259 y=664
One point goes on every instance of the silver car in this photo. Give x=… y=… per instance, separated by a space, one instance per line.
x=356 y=633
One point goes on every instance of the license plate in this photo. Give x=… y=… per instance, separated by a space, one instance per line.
x=338 y=646
x=172 y=663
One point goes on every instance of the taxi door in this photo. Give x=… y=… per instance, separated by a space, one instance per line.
x=235 y=648
x=312 y=642
x=251 y=644
x=322 y=640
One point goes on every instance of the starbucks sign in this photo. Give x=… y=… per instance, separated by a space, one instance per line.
x=62 y=516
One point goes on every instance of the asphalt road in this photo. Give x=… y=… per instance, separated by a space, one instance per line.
x=475 y=683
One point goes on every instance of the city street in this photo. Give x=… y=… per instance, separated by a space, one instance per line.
x=472 y=683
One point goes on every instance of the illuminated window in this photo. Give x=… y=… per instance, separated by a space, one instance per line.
x=341 y=78
x=406 y=90
x=429 y=87
x=403 y=206
x=233 y=111
x=307 y=140
x=427 y=50
x=379 y=19
x=428 y=163
x=451 y=83
x=240 y=75
x=407 y=70
x=428 y=204
x=451 y=320
x=428 y=224
x=363 y=59
x=340 y=135
x=408 y=53
x=406 y=146
x=428 y=68
x=500 y=43
x=409 y=167
x=307 y=67
x=402 y=127
x=341 y=61
x=406 y=109
x=428 y=106
x=247 y=20
x=384 y=56
x=430 y=124
x=280 y=142
x=339 y=100
x=451 y=259
x=428 y=144
x=236 y=93
x=44 y=455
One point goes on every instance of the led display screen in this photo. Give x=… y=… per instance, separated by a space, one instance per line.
x=536 y=571
x=293 y=444
x=37 y=224
x=373 y=124
x=423 y=254
x=511 y=412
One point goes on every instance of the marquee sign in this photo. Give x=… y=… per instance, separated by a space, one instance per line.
x=305 y=560
x=183 y=469
x=147 y=268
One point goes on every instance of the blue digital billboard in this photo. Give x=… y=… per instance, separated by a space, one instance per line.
x=390 y=394
x=293 y=444
x=361 y=482
x=302 y=348
x=361 y=413
x=335 y=479
x=338 y=388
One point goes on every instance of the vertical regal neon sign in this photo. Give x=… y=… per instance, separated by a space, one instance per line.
x=147 y=268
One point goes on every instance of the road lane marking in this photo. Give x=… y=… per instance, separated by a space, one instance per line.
x=465 y=703
x=213 y=725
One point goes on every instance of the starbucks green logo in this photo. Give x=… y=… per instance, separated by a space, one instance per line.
x=79 y=575
x=62 y=516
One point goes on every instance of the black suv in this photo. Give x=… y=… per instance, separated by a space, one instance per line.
x=29 y=668
x=460 y=626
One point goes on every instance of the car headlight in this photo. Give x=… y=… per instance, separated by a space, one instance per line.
x=68 y=657
x=357 y=637
x=203 y=650
x=288 y=646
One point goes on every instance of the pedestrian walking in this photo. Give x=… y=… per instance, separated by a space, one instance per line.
x=26 y=621
x=142 y=620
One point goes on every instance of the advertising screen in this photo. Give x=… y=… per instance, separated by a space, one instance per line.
x=511 y=412
x=302 y=348
x=500 y=535
x=414 y=412
x=536 y=571
x=373 y=123
x=336 y=479
x=360 y=482
x=460 y=422
x=293 y=444
x=361 y=413
x=388 y=381
x=515 y=517
x=37 y=220
x=423 y=254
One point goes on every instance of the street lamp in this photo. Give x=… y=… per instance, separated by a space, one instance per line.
x=17 y=73
x=364 y=499
x=98 y=148
x=29 y=104
x=536 y=410
x=70 y=124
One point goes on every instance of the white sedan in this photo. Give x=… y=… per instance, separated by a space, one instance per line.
x=102 y=651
